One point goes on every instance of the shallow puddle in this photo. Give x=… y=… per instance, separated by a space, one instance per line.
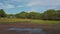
x=24 y=31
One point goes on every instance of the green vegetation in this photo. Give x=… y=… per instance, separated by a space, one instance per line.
x=45 y=22
x=7 y=20
x=51 y=15
x=47 y=17
x=2 y=13
x=13 y=20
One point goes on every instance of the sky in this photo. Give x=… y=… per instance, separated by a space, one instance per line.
x=16 y=6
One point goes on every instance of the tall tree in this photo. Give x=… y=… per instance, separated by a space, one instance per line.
x=49 y=14
x=2 y=13
x=34 y=15
x=57 y=14
x=22 y=15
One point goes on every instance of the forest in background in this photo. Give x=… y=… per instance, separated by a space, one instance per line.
x=50 y=14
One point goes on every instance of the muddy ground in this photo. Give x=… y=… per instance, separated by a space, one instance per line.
x=48 y=28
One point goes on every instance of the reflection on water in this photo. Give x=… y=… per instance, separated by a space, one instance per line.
x=24 y=31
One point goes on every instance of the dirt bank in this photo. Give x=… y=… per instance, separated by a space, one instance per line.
x=48 y=28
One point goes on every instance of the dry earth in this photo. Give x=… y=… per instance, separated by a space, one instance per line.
x=48 y=28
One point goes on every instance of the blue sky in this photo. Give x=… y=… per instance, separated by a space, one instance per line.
x=16 y=6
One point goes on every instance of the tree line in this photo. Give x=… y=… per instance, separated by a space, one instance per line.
x=50 y=14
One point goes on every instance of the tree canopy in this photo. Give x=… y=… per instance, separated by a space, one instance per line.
x=2 y=13
x=50 y=14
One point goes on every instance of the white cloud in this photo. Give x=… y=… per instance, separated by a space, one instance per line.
x=15 y=1
x=29 y=3
x=32 y=10
x=7 y=6
x=44 y=3
x=20 y=6
x=51 y=2
x=33 y=2
x=10 y=6
x=21 y=0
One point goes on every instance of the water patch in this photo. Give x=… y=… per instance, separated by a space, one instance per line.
x=24 y=31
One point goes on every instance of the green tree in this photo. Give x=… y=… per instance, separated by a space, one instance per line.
x=2 y=13
x=34 y=15
x=11 y=16
x=22 y=15
x=57 y=14
x=49 y=14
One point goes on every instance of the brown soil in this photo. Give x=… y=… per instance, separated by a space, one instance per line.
x=48 y=28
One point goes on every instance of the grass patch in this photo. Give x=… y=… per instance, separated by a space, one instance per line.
x=14 y=20
x=45 y=22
